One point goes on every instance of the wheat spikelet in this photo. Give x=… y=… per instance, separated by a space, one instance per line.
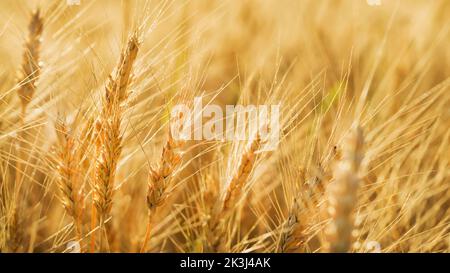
x=292 y=230
x=28 y=75
x=160 y=177
x=233 y=192
x=238 y=181
x=109 y=153
x=161 y=172
x=343 y=193
x=30 y=70
x=116 y=88
x=109 y=135
x=68 y=176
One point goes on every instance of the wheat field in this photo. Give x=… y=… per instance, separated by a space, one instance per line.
x=88 y=162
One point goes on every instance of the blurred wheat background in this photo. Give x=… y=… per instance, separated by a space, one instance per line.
x=86 y=158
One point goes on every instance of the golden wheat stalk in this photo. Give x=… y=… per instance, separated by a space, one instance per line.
x=342 y=196
x=238 y=181
x=68 y=171
x=109 y=153
x=117 y=85
x=109 y=130
x=30 y=70
x=28 y=75
x=292 y=230
x=160 y=177
x=233 y=193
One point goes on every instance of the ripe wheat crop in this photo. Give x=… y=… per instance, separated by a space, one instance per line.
x=88 y=155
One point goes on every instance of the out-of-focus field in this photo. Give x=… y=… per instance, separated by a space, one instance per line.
x=331 y=65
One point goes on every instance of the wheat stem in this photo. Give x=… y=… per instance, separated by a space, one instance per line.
x=147 y=233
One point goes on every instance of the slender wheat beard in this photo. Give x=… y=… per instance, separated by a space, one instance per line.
x=88 y=160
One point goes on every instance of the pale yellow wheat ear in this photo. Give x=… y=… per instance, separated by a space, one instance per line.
x=160 y=176
x=238 y=181
x=117 y=86
x=342 y=193
x=109 y=132
x=28 y=75
x=292 y=230
x=68 y=175
x=160 y=173
x=232 y=194
x=30 y=70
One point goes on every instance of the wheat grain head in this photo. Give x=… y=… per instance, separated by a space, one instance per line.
x=342 y=196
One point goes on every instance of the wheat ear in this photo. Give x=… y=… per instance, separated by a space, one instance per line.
x=160 y=177
x=292 y=230
x=240 y=178
x=109 y=130
x=232 y=194
x=30 y=70
x=68 y=160
x=28 y=75
x=343 y=193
